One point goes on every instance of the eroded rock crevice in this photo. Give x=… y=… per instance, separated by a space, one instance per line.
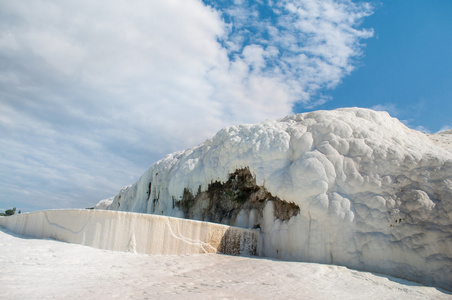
x=239 y=195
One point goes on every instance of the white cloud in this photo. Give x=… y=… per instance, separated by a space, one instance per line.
x=390 y=108
x=422 y=129
x=445 y=128
x=91 y=93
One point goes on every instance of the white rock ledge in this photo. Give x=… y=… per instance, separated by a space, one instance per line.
x=134 y=232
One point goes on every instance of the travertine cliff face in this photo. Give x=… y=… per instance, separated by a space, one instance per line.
x=352 y=187
x=131 y=232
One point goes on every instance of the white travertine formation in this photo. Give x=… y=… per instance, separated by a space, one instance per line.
x=103 y=204
x=132 y=232
x=372 y=193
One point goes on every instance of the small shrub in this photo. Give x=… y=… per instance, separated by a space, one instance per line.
x=9 y=212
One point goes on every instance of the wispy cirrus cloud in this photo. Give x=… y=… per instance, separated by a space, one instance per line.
x=91 y=93
x=445 y=128
x=390 y=108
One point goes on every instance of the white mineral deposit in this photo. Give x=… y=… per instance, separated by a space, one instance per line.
x=366 y=191
x=327 y=204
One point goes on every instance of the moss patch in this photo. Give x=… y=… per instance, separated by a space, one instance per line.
x=222 y=202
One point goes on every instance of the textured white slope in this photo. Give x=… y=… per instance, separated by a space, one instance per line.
x=131 y=232
x=443 y=139
x=373 y=194
x=47 y=269
x=103 y=204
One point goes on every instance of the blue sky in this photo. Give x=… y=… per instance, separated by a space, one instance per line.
x=93 y=92
x=406 y=67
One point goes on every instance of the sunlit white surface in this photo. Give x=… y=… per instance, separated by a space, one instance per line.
x=48 y=269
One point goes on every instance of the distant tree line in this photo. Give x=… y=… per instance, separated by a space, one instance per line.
x=9 y=212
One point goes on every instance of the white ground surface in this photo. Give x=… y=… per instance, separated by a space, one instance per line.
x=47 y=269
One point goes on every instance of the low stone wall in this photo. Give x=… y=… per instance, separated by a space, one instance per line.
x=134 y=232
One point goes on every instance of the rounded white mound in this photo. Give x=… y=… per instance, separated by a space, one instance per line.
x=372 y=193
x=103 y=204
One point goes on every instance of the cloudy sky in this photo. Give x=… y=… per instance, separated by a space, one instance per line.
x=93 y=92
